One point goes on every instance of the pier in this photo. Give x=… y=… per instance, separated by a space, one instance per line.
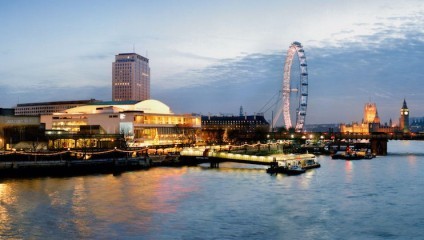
x=205 y=155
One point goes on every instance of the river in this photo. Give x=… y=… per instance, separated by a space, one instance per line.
x=382 y=198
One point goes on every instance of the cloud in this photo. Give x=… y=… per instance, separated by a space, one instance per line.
x=381 y=62
x=98 y=56
x=194 y=56
x=253 y=67
x=382 y=67
x=13 y=96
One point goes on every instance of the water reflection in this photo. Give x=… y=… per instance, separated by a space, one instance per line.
x=6 y=199
x=307 y=178
x=348 y=171
x=367 y=199
x=412 y=161
x=80 y=208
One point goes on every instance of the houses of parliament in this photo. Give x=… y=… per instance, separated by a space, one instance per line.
x=372 y=123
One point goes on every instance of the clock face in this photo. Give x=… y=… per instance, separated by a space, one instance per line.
x=406 y=113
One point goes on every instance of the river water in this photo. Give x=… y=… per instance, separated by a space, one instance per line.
x=382 y=198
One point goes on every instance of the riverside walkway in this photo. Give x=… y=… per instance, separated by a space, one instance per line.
x=22 y=164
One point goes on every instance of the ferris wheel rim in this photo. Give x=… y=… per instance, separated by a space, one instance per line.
x=295 y=48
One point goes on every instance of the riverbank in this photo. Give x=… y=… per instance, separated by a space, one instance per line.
x=71 y=167
x=69 y=163
x=341 y=200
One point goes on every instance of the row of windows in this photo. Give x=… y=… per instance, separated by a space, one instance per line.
x=121 y=76
x=68 y=121
x=231 y=122
x=124 y=60
x=126 y=66
x=130 y=70
x=121 y=93
x=130 y=64
x=41 y=109
x=44 y=107
x=68 y=124
x=70 y=117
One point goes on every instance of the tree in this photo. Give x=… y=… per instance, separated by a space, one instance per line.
x=260 y=134
x=281 y=129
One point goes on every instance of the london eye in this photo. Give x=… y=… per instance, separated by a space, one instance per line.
x=295 y=89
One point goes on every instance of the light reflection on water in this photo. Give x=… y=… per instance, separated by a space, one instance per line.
x=6 y=198
x=377 y=199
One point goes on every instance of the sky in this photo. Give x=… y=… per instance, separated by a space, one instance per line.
x=211 y=57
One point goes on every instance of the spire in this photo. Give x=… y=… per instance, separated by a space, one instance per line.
x=377 y=118
x=404 y=104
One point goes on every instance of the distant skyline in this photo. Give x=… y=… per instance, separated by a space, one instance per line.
x=215 y=56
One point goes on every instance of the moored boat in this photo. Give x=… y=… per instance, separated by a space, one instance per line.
x=347 y=156
x=350 y=154
x=284 y=167
x=310 y=163
x=294 y=170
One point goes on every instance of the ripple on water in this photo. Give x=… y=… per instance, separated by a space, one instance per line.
x=358 y=200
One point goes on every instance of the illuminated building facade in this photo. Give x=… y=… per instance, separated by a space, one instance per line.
x=15 y=129
x=233 y=128
x=371 y=122
x=404 y=118
x=234 y=122
x=130 y=77
x=43 y=108
x=148 y=122
x=370 y=113
x=370 y=119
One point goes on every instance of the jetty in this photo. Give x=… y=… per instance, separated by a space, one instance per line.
x=204 y=155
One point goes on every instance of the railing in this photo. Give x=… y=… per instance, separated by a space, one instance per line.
x=49 y=156
x=347 y=135
x=242 y=157
x=204 y=152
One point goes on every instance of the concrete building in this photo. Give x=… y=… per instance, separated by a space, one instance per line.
x=233 y=128
x=16 y=129
x=44 y=108
x=248 y=123
x=148 y=122
x=130 y=77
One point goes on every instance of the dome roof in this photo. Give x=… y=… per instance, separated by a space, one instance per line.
x=152 y=106
x=147 y=106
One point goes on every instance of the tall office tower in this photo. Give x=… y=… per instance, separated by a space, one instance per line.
x=404 y=118
x=130 y=77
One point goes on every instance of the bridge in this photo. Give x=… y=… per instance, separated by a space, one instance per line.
x=378 y=140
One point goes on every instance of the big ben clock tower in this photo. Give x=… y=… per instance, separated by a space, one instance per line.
x=404 y=118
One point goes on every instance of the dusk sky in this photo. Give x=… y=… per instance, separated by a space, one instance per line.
x=212 y=57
